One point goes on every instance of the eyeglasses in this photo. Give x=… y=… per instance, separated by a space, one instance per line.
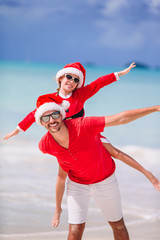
x=54 y=115
x=69 y=77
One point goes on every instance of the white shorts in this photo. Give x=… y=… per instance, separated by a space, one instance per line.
x=105 y=193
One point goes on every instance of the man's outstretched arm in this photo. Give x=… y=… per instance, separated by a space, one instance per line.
x=129 y=116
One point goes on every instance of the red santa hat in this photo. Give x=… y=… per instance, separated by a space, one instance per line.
x=73 y=68
x=50 y=102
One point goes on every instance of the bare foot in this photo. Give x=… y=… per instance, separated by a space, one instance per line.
x=56 y=218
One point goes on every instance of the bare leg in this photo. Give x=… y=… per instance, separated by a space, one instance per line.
x=76 y=231
x=119 y=230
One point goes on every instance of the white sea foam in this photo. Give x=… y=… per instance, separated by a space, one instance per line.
x=15 y=149
x=142 y=212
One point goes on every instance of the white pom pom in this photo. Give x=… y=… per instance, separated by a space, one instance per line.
x=65 y=104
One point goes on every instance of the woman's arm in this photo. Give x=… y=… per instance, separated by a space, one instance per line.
x=60 y=187
x=116 y=153
x=129 y=116
x=23 y=125
x=91 y=89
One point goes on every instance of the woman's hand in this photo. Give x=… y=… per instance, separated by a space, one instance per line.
x=11 y=134
x=127 y=70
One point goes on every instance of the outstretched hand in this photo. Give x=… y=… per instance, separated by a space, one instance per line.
x=11 y=134
x=154 y=181
x=127 y=70
x=158 y=108
x=132 y=65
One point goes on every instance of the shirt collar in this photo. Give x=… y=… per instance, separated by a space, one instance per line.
x=63 y=96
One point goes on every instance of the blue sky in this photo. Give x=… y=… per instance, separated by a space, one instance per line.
x=105 y=32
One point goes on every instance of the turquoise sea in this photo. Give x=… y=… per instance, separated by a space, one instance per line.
x=22 y=83
x=28 y=177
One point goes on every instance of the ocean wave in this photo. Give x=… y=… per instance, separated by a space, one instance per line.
x=25 y=149
x=149 y=214
x=21 y=151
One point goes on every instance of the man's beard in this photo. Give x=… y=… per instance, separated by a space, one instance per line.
x=55 y=130
x=52 y=129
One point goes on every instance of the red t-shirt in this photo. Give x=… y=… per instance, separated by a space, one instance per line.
x=86 y=160
x=76 y=100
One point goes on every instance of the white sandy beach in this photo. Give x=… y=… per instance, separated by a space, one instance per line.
x=139 y=231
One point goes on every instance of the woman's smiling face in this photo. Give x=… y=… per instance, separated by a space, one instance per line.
x=68 y=85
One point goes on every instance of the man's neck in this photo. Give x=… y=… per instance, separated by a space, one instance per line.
x=62 y=136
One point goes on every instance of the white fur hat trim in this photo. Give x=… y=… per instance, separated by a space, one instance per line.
x=51 y=106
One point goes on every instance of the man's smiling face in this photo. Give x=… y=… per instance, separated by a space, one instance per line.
x=53 y=125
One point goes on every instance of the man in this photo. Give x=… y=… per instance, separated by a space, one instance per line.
x=82 y=157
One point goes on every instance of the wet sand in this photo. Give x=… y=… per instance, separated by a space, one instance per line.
x=138 y=231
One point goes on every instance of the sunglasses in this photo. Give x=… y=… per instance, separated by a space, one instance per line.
x=54 y=115
x=69 y=77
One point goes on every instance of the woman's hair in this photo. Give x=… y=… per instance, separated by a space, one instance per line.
x=59 y=87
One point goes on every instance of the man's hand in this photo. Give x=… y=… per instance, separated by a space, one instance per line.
x=56 y=218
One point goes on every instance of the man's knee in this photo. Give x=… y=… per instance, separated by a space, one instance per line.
x=76 y=229
x=118 y=225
